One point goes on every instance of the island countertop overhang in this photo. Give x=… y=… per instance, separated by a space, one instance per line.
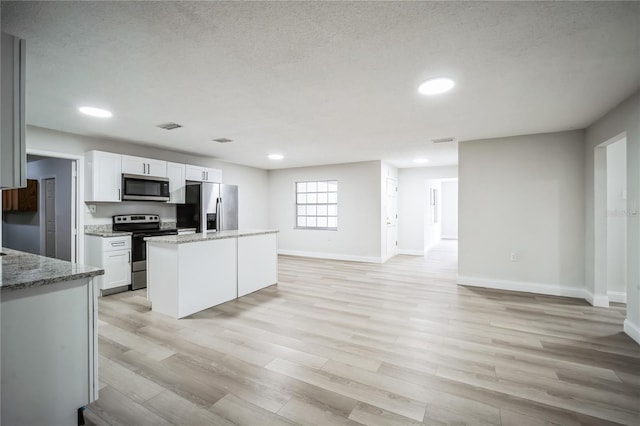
x=194 y=238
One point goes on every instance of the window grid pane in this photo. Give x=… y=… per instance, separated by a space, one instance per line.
x=316 y=204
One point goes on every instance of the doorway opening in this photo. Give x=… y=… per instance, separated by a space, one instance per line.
x=49 y=226
x=441 y=212
x=610 y=220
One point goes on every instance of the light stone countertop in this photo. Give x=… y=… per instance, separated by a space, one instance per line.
x=108 y=234
x=194 y=238
x=22 y=270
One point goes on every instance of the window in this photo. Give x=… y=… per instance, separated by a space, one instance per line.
x=317 y=204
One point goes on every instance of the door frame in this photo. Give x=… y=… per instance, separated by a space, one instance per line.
x=42 y=199
x=600 y=295
x=77 y=198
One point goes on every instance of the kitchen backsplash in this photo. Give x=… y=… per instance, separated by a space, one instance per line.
x=105 y=211
x=97 y=229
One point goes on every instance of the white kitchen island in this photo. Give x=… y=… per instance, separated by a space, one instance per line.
x=189 y=273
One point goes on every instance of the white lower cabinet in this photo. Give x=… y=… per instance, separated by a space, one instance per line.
x=113 y=254
x=49 y=353
x=186 y=278
x=257 y=263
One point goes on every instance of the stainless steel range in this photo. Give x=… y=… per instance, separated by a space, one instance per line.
x=141 y=226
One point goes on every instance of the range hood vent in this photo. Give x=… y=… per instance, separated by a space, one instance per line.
x=169 y=126
x=444 y=140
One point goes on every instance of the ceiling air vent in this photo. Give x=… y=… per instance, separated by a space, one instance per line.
x=169 y=126
x=444 y=140
x=223 y=140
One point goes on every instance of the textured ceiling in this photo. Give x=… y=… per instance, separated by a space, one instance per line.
x=324 y=82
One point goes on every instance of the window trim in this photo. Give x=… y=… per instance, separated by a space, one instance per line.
x=295 y=205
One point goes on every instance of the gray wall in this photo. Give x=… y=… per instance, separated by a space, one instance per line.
x=359 y=211
x=523 y=195
x=25 y=230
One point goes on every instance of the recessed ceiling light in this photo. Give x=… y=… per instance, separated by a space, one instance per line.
x=420 y=160
x=436 y=86
x=275 y=156
x=95 y=112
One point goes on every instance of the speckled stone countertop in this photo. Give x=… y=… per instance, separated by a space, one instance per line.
x=194 y=238
x=21 y=270
x=107 y=234
x=106 y=230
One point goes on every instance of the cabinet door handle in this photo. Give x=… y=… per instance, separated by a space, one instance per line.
x=129 y=256
x=118 y=194
x=148 y=168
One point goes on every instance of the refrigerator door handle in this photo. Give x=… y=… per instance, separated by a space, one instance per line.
x=219 y=217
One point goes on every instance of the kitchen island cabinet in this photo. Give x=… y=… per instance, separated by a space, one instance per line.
x=189 y=273
x=49 y=339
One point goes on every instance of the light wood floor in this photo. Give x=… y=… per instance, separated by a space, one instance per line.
x=350 y=343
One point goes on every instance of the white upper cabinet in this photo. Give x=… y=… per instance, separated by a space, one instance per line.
x=103 y=172
x=143 y=166
x=176 y=174
x=13 y=157
x=203 y=174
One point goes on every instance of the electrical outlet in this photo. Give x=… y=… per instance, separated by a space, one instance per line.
x=514 y=257
x=92 y=208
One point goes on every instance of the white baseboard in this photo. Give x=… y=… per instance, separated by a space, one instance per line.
x=331 y=256
x=599 y=301
x=527 y=287
x=632 y=330
x=430 y=246
x=387 y=257
x=617 y=296
x=411 y=252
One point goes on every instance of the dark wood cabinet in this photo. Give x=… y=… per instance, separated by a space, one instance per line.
x=22 y=199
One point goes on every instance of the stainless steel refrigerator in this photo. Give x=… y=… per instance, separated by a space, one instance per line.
x=209 y=207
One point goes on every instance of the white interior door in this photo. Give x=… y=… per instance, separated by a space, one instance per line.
x=50 y=216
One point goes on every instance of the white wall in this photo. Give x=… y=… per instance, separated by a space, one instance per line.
x=523 y=195
x=252 y=183
x=624 y=119
x=25 y=230
x=616 y=219
x=359 y=212
x=450 y=209
x=413 y=204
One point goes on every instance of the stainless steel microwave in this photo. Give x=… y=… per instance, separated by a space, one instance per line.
x=144 y=188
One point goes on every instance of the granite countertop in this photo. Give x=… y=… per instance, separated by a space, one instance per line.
x=193 y=238
x=107 y=234
x=21 y=270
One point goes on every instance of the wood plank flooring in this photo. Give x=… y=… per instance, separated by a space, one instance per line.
x=342 y=343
